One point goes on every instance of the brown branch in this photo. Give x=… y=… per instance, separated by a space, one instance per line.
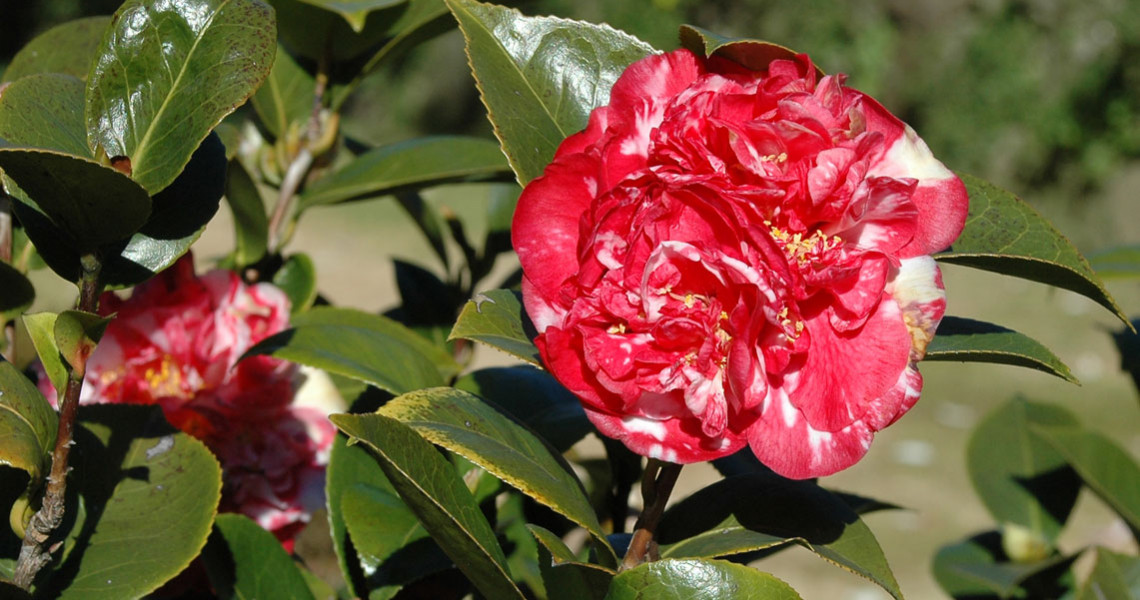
x=656 y=485
x=35 y=553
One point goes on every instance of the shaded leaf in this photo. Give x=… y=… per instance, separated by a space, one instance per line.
x=45 y=111
x=468 y=426
x=433 y=490
x=286 y=97
x=429 y=222
x=1119 y=262
x=298 y=279
x=1018 y=476
x=353 y=11
x=563 y=577
x=27 y=423
x=246 y=561
x=759 y=511
x=497 y=318
x=1103 y=466
x=41 y=330
x=967 y=340
x=670 y=579
x=419 y=162
x=425 y=300
x=752 y=54
x=977 y=569
x=16 y=293
x=1005 y=235
x=251 y=225
x=540 y=76
x=168 y=72
x=534 y=397
x=67 y=49
x=1113 y=576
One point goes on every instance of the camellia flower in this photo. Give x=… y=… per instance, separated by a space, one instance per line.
x=175 y=343
x=728 y=257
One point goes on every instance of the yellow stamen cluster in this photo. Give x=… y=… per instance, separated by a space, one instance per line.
x=800 y=247
x=786 y=322
x=775 y=158
x=166 y=380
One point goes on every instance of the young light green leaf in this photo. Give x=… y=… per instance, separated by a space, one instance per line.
x=41 y=329
x=66 y=49
x=245 y=561
x=45 y=111
x=433 y=490
x=540 y=76
x=752 y=54
x=76 y=334
x=967 y=340
x=1103 y=466
x=976 y=568
x=1113 y=576
x=251 y=225
x=757 y=511
x=16 y=293
x=167 y=73
x=1005 y=235
x=27 y=423
x=354 y=11
x=1120 y=262
x=496 y=318
x=156 y=489
x=670 y=579
x=1018 y=476
x=414 y=163
x=298 y=279
x=468 y=426
x=534 y=397
x=287 y=95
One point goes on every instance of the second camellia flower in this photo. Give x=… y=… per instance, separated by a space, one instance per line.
x=727 y=257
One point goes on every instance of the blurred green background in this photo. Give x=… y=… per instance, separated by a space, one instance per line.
x=1039 y=96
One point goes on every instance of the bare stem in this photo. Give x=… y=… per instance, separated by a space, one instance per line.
x=656 y=485
x=36 y=551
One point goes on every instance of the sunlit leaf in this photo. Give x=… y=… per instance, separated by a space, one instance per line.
x=67 y=49
x=41 y=330
x=349 y=466
x=1103 y=466
x=1113 y=576
x=534 y=397
x=246 y=561
x=76 y=334
x=497 y=318
x=45 y=111
x=967 y=340
x=1119 y=262
x=286 y=97
x=27 y=423
x=298 y=279
x=671 y=579
x=354 y=11
x=976 y=569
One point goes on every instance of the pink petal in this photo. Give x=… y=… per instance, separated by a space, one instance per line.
x=675 y=440
x=784 y=441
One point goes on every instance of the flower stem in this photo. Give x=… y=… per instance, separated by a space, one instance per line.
x=35 y=553
x=656 y=486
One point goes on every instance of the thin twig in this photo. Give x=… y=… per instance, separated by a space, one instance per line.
x=656 y=485
x=35 y=553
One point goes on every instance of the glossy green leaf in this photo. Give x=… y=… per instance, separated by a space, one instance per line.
x=245 y=561
x=752 y=54
x=76 y=334
x=251 y=224
x=976 y=569
x=758 y=511
x=90 y=203
x=967 y=340
x=414 y=163
x=286 y=97
x=1115 y=263
x=354 y=11
x=1103 y=466
x=687 y=579
x=298 y=279
x=168 y=72
x=151 y=494
x=1113 y=576
x=534 y=397
x=41 y=330
x=1019 y=477
x=497 y=318
x=1005 y=235
x=27 y=423
x=45 y=111
x=433 y=490
x=16 y=293
x=540 y=76
x=349 y=466
x=67 y=49
x=468 y=426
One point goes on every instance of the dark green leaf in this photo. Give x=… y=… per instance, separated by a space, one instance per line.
x=1019 y=477
x=1005 y=235
x=90 y=203
x=433 y=490
x=977 y=569
x=440 y=357
x=534 y=397
x=1113 y=576
x=496 y=318
x=967 y=340
x=758 y=511
x=41 y=329
x=168 y=72
x=540 y=76
x=1103 y=466
x=45 y=111
x=563 y=577
x=286 y=97
x=689 y=579
x=310 y=32
x=425 y=300
x=429 y=222
x=67 y=49
x=16 y=293
x=27 y=423
x=470 y=427
x=246 y=561
x=298 y=279
x=752 y=54
x=151 y=493
x=1119 y=262
x=76 y=334
x=353 y=11
x=251 y=225
x=415 y=163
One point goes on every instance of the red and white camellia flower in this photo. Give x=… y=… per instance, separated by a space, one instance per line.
x=728 y=257
x=175 y=343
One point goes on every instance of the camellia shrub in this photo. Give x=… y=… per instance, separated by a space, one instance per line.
x=727 y=254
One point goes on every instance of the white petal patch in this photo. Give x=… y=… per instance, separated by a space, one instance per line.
x=910 y=157
x=916 y=282
x=654 y=429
